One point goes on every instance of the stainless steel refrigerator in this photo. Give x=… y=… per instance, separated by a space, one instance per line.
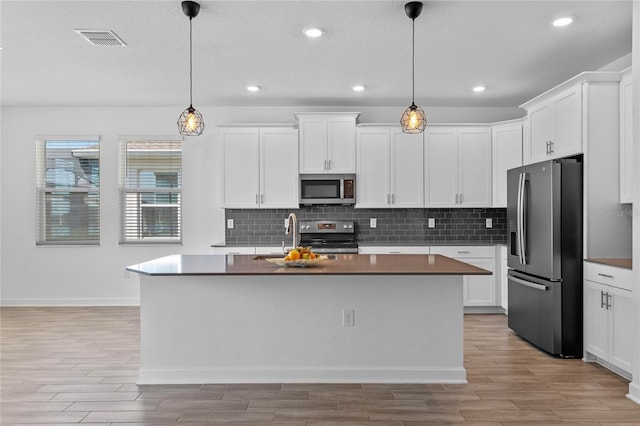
x=544 y=214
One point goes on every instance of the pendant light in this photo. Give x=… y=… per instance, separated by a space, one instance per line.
x=413 y=120
x=190 y=122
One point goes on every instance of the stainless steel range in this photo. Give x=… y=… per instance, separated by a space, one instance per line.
x=329 y=236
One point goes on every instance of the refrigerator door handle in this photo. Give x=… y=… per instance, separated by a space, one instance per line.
x=529 y=284
x=520 y=219
x=523 y=215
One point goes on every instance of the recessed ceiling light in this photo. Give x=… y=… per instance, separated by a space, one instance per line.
x=313 y=32
x=358 y=88
x=253 y=88
x=563 y=22
x=479 y=89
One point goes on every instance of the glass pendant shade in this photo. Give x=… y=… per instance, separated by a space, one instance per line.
x=190 y=122
x=413 y=120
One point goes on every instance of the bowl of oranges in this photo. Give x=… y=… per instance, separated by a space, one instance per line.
x=299 y=257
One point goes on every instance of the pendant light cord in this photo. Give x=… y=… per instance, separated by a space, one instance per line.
x=413 y=61
x=190 y=62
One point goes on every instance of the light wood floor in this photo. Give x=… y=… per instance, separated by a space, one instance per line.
x=71 y=365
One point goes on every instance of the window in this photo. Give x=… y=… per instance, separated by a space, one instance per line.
x=68 y=190
x=150 y=190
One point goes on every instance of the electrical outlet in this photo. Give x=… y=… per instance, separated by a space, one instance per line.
x=489 y=223
x=373 y=222
x=229 y=223
x=431 y=222
x=348 y=318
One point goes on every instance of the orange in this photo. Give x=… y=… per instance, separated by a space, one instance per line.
x=294 y=254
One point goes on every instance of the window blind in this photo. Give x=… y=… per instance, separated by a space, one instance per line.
x=67 y=191
x=150 y=191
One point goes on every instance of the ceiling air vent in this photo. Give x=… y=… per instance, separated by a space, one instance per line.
x=101 y=37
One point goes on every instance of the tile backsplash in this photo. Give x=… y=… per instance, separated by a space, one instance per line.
x=394 y=226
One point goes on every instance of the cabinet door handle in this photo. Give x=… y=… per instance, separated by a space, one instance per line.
x=550 y=147
x=456 y=202
x=324 y=165
x=460 y=198
x=601 y=299
x=394 y=252
x=261 y=198
x=328 y=164
x=605 y=275
x=393 y=198
x=608 y=301
x=464 y=252
x=547 y=147
x=257 y=199
x=388 y=198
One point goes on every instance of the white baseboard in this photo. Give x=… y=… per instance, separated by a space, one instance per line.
x=107 y=301
x=634 y=392
x=303 y=375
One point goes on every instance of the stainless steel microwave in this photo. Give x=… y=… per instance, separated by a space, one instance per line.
x=327 y=189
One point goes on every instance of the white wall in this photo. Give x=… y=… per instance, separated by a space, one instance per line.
x=33 y=275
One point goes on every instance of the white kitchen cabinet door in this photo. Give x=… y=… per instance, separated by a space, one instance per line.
x=541 y=132
x=240 y=168
x=626 y=140
x=407 y=168
x=372 y=168
x=341 y=143
x=621 y=317
x=596 y=320
x=279 y=168
x=567 y=123
x=313 y=144
x=507 y=153
x=474 y=167
x=480 y=290
x=327 y=142
x=441 y=172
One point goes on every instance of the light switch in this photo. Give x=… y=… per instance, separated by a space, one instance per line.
x=229 y=223
x=431 y=222
x=489 y=222
x=373 y=222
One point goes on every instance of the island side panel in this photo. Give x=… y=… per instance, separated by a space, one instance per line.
x=239 y=329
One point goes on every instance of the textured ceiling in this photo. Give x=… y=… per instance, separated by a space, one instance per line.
x=508 y=46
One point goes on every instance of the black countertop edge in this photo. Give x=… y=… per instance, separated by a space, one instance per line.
x=390 y=244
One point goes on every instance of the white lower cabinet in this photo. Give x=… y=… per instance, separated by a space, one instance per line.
x=478 y=290
x=502 y=281
x=608 y=320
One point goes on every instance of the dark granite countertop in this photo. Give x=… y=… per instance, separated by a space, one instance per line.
x=343 y=264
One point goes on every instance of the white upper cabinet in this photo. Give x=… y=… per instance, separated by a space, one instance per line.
x=626 y=141
x=327 y=142
x=507 y=154
x=458 y=167
x=556 y=126
x=260 y=167
x=389 y=168
x=241 y=167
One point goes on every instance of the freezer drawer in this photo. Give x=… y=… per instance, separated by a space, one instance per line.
x=535 y=311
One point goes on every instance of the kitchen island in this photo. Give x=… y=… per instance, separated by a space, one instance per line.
x=351 y=319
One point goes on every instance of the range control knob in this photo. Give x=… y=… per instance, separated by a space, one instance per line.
x=345 y=226
x=350 y=226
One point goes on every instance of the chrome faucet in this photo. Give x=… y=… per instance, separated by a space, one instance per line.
x=292 y=227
